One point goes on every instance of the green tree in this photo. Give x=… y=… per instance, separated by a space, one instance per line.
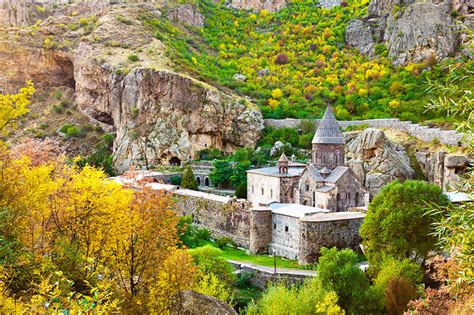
x=222 y=172
x=209 y=260
x=189 y=181
x=339 y=271
x=239 y=174
x=396 y=224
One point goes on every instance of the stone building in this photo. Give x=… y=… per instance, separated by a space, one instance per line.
x=326 y=183
x=298 y=208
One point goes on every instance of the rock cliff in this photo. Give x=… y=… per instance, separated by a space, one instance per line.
x=412 y=31
x=377 y=160
x=192 y=302
x=126 y=81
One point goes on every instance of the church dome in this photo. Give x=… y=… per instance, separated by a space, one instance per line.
x=328 y=130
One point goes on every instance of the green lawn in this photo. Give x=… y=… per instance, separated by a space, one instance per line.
x=263 y=260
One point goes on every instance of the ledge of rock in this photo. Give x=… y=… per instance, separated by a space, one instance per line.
x=194 y=303
x=377 y=160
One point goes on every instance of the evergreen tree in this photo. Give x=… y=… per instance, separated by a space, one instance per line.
x=189 y=181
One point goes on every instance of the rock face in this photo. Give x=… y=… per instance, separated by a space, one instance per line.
x=376 y=160
x=412 y=31
x=195 y=303
x=158 y=115
x=258 y=5
x=443 y=169
x=186 y=13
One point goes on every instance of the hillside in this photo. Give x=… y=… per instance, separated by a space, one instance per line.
x=119 y=62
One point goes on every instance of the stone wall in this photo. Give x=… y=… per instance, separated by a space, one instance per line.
x=262 y=189
x=331 y=231
x=285 y=236
x=424 y=133
x=222 y=216
x=262 y=278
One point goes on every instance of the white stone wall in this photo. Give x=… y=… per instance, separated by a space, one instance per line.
x=285 y=236
x=262 y=189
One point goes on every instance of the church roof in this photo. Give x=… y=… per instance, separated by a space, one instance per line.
x=273 y=171
x=294 y=210
x=336 y=174
x=314 y=173
x=328 y=130
x=283 y=158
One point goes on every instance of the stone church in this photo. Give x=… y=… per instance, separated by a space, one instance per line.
x=326 y=183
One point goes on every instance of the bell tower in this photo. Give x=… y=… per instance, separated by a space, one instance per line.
x=328 y=143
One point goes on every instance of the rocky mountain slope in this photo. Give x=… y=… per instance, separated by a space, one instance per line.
x=125 y=82
x=413 y=31
x=163 y=75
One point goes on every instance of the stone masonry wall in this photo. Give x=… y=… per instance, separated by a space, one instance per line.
x=231 y=219
x=424 y=133
x=337 y=233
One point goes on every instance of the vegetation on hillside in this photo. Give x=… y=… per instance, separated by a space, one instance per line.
x=295 y=62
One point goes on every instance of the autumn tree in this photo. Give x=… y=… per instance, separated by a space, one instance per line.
x=13 y=106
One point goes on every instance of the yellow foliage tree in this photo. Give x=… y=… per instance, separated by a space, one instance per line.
x=13 y=106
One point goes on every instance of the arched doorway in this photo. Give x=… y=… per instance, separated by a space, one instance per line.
x=206 y=181
x=175 y=161
x=198 y=179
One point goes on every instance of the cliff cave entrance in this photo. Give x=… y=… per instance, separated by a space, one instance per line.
x=175 y=161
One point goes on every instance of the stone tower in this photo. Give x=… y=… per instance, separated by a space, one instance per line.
x=283 y=164
x=328 y=143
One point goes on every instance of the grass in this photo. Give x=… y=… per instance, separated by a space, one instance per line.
x=231 y=253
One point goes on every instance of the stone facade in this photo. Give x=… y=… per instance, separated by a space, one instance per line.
x=340 y=230
x=327 y=155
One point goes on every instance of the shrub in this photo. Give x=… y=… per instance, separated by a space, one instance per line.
x=133 y=58
x=72 y=131
x=209 y=260
x=241 y=191
x=224 y=241
x=83 y=22
x=189 y=181
x=393 y=268
x=398 y=293
x=210 y=154
x=176 y=180
x=281 y=59
x=124 y=20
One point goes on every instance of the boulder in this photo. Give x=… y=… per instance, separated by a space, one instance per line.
x=377 y=160
x=239 y=77
x=194 y=303
x=276 y=148
x=258 y=5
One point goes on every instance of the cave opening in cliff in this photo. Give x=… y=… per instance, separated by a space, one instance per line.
x=175 y=161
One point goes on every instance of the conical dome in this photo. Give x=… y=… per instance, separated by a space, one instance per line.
x=328 y=130
x=283 y=158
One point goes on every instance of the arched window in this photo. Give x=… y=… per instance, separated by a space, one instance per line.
x=356 y=199
x=314 y=199
x=206 y=181
x=198 y=179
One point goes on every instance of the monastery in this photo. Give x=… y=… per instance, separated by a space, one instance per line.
x=326 y=183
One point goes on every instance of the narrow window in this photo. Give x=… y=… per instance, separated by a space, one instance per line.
x=263 y=191
x=271 y=193
x=252 y=189
x=286 y=228
x=307 y=187
x=274 y=226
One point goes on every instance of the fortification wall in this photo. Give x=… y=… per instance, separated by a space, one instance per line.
x=222 y=216
x=314 y=234
x=424 y=133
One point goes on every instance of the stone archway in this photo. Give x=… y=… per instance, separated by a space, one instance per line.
x=206 y=181
x=198 y=179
